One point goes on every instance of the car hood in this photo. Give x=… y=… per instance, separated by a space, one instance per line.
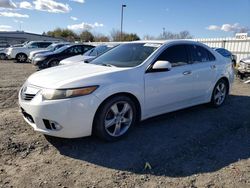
x=68 y=76
x=17 y=48
x=38 y=51
x=246 y=60
x=76 y=59
x=46 y=53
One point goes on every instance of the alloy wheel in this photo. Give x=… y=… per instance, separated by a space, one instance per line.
x=118 y=118
x=220 y=93
x=21 y=58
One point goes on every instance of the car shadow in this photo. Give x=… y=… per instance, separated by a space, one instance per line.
x=196 y=140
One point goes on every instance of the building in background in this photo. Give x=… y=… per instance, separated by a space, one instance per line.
x=17 y=37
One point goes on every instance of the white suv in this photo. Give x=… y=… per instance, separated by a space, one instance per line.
x=21 y=54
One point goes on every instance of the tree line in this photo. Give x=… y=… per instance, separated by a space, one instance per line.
x=115 y=35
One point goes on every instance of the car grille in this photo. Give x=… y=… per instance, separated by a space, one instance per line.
x=27 y=97
x=28 y=94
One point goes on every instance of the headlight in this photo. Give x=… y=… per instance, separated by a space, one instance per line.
x=40 y=58
x=53 y=94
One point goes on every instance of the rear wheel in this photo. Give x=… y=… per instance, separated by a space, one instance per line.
x=115 y=118
x=220 y=93
x=21 y=58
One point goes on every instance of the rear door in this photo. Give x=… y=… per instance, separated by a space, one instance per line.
x=204 y=70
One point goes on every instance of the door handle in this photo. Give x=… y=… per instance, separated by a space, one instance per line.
x=213 y=66
x=187 y=72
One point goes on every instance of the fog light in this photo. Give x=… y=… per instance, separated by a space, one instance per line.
x=52 y=125
x=55 y=125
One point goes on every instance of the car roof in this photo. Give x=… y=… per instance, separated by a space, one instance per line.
x=185 y=41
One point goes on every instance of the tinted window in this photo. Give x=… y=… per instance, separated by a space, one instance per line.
x=74 y=50
x=34 y=45
x=200 y=54
x=176 y=55
x=223 y=52
x=43 y=44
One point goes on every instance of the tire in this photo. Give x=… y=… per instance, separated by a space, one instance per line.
x=220 y=93
x=53 y=63
x=115 y=118
x=2 y=56
x=21 y=58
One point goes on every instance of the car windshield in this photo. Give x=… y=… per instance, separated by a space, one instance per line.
x=126 y=55
x=51 y=47
x=98 y=50
x=59 y=50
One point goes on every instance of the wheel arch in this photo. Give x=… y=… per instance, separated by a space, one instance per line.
x=127 y=94
x=19 y=53
x=51 y=60
x=227 y=82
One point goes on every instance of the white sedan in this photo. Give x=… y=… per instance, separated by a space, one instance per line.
x=129 y=83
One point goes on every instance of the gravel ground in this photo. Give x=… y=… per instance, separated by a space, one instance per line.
x=195 y=147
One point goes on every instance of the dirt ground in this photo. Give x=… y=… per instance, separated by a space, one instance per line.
x=196 y=147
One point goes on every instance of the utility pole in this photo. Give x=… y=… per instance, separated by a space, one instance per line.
x=123 y=6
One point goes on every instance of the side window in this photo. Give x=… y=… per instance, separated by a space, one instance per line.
x=34 y=45
x=200 y=54
x=177 y=55
x=43 y=44
x=74 y=50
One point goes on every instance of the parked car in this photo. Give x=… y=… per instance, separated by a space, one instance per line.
x=21 y=54
x=87 y=56
x=131 y=82
x=2 y=53
x=50 y=48
x=243 y=70
x=224 y=52
x=20 y=45
x=3 y=46
x=51 y=59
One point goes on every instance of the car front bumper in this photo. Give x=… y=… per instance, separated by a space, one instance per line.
x=66 y=118
x=244 y=68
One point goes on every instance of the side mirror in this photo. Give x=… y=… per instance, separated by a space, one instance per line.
x=160 y=66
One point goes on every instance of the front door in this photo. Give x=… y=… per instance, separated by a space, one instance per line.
x=172 y=89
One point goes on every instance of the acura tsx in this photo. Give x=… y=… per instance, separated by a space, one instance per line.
x=131 y=82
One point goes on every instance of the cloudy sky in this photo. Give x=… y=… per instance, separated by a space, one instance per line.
x=212 y=18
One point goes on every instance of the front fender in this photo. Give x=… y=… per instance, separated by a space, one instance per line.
x=137 y=90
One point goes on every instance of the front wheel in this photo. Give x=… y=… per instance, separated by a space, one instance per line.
x=53 y=63
x=220 y=93
x=115 y=118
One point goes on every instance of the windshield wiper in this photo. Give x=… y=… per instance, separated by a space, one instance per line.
x=107 y=65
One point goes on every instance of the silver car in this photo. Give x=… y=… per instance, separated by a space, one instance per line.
x=244 y=68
